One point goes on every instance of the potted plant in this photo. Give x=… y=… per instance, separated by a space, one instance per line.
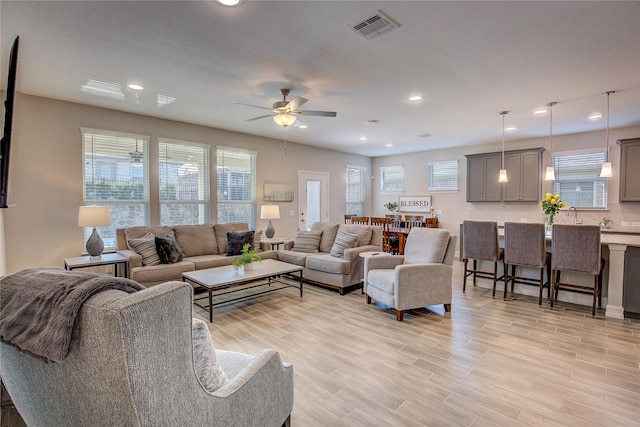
x=606 y=222
x=391 y=206
x=244 y=260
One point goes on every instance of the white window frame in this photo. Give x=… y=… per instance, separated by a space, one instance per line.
x=354 y=205
x=184 y=158
x=443 y=169
x=96 y=162
x=561 y=162
x=384 y=188
x=223 y=206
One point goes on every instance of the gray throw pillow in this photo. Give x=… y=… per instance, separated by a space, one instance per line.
x=145 y=246
x=205 y=361
x=306 y=241
x=343 y=241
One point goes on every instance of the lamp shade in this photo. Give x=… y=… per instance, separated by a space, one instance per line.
x=270 y=212
x=550 y=175
x=94 y=216
x=284 y=119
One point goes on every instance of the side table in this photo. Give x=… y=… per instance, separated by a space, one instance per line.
x=114 y=259
x=275 y=244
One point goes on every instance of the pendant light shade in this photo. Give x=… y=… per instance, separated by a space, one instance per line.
x=503 y=172
x=606 y=171
x=550 y=174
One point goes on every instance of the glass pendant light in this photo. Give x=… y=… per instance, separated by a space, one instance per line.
x=550 y=175
x=606 y=171
x=503 y=172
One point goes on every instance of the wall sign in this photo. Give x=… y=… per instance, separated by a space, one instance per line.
x=415 y=204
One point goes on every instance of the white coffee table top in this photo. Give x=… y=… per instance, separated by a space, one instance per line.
x=228 y=275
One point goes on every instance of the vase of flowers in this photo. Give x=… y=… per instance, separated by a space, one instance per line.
x=551 y=205
x=391 y=207
x=606 y=222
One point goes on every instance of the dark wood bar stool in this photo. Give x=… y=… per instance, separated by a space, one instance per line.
x=481 y=243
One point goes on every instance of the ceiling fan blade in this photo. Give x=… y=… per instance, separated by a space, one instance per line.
x=255 y=106
x=296 y=102
x=317 y=113
x=259 y=117
x=298 y=123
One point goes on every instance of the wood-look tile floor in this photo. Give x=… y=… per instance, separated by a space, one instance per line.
x=488 y=362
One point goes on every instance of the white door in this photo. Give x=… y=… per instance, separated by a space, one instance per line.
x=313 y=198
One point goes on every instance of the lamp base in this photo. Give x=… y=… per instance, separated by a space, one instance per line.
x=94 y=244
x=269 y=231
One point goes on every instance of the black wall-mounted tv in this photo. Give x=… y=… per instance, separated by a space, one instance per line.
x=5 y=144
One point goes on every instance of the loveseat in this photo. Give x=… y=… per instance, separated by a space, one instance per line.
x=201 y=246
x=330 y=253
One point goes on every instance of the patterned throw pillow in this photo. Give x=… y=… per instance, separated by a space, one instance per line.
x=168 y=250
x=145 y=246
x=343 y=241
x=205 y=360
x=306 y=241
x=237 y=239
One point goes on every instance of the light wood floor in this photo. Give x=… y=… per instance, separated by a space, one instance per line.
x=488 y=362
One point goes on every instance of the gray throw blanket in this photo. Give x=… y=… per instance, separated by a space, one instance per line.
x=39 y=307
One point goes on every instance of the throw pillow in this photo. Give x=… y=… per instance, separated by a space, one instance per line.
x=168 y=250
x=329 y=231
x=343 y=241
x=306 y=241
x=145 y=246
x=237 y=239
x=205 y=361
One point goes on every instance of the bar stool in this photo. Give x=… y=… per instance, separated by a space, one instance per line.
x=576 y=248
x=525 y=245
x=481 y=243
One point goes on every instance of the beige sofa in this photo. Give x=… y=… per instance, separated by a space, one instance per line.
x=321 y=268
x=203 y=246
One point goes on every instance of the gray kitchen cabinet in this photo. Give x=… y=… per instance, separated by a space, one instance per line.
x=629 y=170
x=524 y=168
x=482 y=177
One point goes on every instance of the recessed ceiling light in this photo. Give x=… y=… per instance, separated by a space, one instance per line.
x=510 y=128
x=303 y=127
x=596 y=116
x=388 y=145
x=229 y=2
x=541 y=111
x=135 y=86
x=363 y=138
x=415 y=98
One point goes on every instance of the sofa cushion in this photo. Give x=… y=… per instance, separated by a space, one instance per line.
x=168 y=250
x=145 y=246
x=296 y=258
x=140 y=231
x=196 y=240
x=236 y=241
x=306 y=241
x=161 y=272
x=363 y=232
x=221 y=230
x=381 y=279
x=426 y=245
x=205 y=361
x=328 y=264
x=329 y=232
x=343 y=241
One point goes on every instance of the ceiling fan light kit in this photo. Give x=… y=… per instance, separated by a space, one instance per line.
x=284 y=113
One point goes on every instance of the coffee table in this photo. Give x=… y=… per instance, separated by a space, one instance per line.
x=226 y=280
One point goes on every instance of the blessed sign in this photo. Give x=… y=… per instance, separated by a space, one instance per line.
x=415 y=204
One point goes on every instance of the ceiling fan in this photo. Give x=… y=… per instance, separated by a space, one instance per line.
x=285 y=113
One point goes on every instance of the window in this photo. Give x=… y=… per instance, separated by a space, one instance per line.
x=578 y=179
x=184 y=183
x=236 y=173
x=115 y=175
x=354 y=178
x=443 y=176
x=391 y=179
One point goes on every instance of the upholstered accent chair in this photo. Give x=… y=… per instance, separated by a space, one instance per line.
x=133 y=365
x=525 y=245
x=480 y=243
x=577 y=248
x=420 y=277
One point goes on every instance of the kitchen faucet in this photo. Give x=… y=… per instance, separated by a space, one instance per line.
x=575 y=218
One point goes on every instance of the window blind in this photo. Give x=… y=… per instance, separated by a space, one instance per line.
x=443 y=176
x=355 y=197
x=578 y=179
x=236 y=186
x=392 y=179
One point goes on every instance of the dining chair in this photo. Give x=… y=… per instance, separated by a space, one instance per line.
x=576 y=248
x=480 y=243
x=363 y=220
x=347 y=218
x=525 y=245
x=411 y=221
x=386 y=238
x=431 y=222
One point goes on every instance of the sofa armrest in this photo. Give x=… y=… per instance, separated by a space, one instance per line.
x=135 y=259
x=354 y=253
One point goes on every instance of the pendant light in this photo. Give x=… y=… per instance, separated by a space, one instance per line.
x=550 y=175
x=606 y=166
x=503 y=172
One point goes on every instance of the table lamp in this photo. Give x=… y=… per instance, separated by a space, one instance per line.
x=269 y=212
x=94 y=216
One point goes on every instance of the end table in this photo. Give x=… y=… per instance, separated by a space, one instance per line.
x=105 y=259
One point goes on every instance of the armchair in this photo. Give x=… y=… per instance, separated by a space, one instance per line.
x=133 y=365
x=420 y=277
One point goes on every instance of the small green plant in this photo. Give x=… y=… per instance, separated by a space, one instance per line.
x=247 y=256
x=391 y=206
x=606 y=222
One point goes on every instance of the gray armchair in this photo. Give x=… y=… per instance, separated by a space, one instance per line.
x=133 y=366
x=420 y=277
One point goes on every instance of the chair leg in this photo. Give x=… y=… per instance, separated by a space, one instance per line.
x=506 y=281
x=495 y=276
x=368 y=299
x=464 y=280
x=541 y=285
x=513 y=274
x=553 y=287
x=475 y=268
x=595 y=296
x=447 y=308
x=399 y=315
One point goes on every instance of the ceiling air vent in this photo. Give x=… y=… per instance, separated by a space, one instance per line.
x=374 y=26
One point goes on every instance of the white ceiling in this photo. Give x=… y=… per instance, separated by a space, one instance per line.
x=469 y=60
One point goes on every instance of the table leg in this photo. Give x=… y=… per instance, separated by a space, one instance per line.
x=301 y=283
